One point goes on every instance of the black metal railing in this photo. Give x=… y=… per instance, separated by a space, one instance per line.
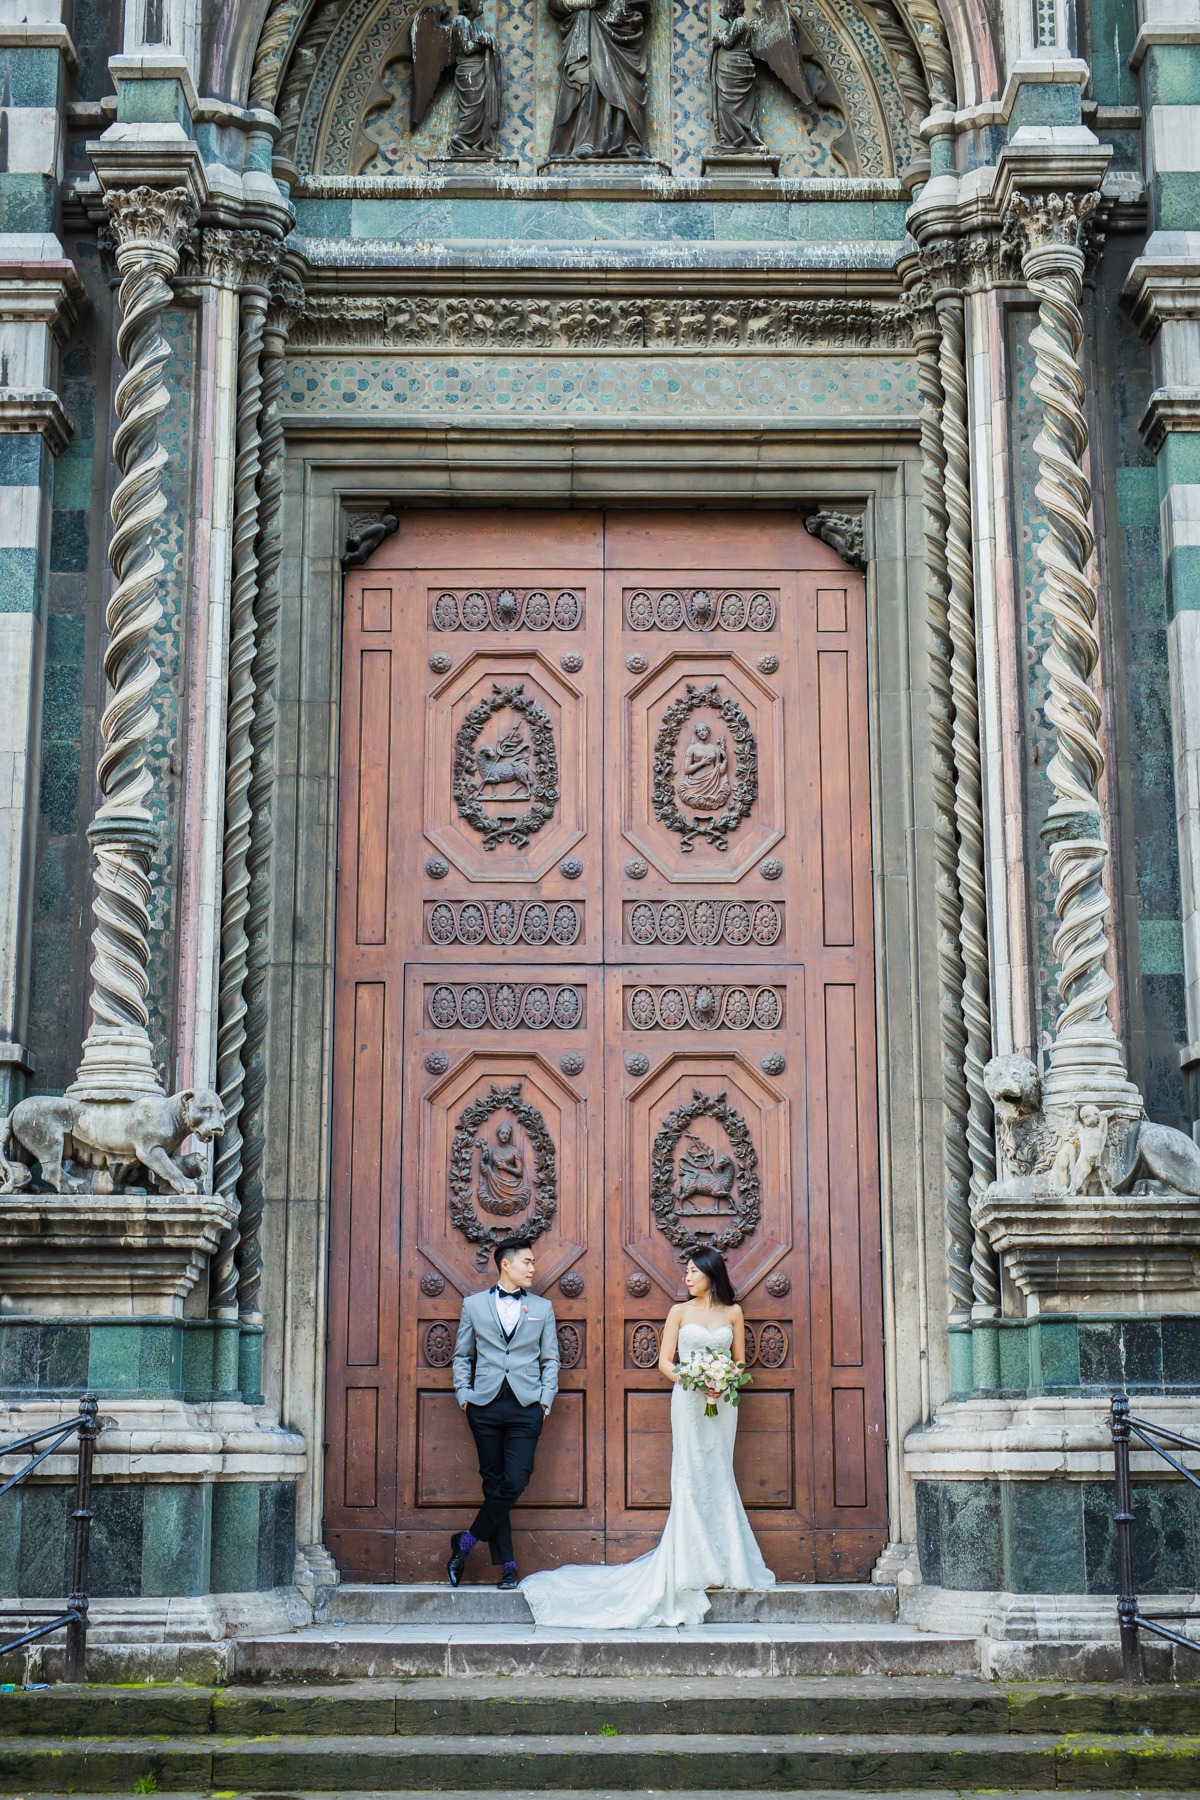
x=1130 y=1617
x=75 y=1618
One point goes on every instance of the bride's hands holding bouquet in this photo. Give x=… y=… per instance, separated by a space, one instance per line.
x=716 y=1375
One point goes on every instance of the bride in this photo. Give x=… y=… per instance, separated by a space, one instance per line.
x=707 y=1542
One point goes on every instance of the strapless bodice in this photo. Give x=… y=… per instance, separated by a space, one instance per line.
x=693 y=1337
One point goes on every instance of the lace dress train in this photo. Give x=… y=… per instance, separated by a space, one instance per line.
x=707 y=1541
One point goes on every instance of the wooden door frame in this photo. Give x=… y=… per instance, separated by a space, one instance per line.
x=331 y=472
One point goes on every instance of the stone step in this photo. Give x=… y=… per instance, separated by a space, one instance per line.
x=475 y=1708
x=957 y=1793
x=323 y=1653
x=791 y=1603
x=666 y=1762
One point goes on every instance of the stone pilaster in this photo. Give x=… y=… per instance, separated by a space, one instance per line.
x=286 y=300
x=40 y=294
x=1163 y=294
x=149 y=227
x=259 y=254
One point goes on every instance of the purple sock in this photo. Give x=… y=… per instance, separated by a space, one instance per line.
x=509 y=1565
x=466 y=1542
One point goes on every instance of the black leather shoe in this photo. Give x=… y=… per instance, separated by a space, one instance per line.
x=509 y=1579
x=458 y=1560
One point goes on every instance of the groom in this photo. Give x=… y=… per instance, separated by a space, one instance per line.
x=505 y=1379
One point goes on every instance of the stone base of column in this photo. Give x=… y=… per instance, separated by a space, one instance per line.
x=81 y=1256
x=116 y=1067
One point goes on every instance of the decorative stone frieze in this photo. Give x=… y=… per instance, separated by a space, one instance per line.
x=422 y=321
x=1068 y=1250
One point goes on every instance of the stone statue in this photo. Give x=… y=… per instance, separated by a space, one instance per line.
x=121 y=1145
x=601 y=109
x=439 y=40
x=503 y=1189
x=771 y=38
x=703 y=784
x=1081 y=1152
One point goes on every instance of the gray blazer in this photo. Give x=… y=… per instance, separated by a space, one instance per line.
x=482 y=1359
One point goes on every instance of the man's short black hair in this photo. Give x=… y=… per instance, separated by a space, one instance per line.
x=508 y=1247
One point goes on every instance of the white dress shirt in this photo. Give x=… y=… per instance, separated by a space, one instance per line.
x=509 y=1308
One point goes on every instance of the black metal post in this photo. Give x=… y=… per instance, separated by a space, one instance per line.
x=1127 y=1606
x=76 y=1652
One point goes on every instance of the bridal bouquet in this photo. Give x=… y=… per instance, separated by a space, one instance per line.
x=714 y=1374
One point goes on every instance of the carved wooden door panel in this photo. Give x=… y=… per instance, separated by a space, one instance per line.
x=604 y=977
x=468 y=1019
x=740 y=1012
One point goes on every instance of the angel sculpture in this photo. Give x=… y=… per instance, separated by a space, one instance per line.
x=772 y=35
x=439 y=39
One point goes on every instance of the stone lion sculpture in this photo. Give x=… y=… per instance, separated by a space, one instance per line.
x=123 y=1146
x=1039 y=1152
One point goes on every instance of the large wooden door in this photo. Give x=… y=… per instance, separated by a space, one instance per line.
x=604 y=977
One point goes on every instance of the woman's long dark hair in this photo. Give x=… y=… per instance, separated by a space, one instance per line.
x=712 y=1263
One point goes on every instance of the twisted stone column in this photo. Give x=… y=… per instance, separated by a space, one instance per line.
x=956 y=1163
x=960 y=611
x=287 y=297
x=149 y=227
x=257 y=254
x=1086 y=1061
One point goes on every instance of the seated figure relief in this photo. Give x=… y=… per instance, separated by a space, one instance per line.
x=503 y=1186
x=601 y=110
x=704 y=786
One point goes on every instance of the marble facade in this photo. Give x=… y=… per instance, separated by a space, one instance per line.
x=311 y=313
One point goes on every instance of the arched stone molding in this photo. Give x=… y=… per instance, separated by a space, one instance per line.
x=251 y=41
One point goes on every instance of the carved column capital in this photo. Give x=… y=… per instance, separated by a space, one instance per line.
x=150 y=225
x=287 y=299
x=1050 y=226
x=238 y=259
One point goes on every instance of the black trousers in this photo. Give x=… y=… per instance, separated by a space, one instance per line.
x=506 y=1440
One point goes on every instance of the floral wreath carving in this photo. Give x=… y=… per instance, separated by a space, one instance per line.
x=463 y=1215
x=745 y=781
x=506 y=830
x=747 y=1196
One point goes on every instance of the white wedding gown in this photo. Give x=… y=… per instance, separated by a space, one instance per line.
x=707 y=1541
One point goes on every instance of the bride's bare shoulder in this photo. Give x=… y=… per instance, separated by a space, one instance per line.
x=677 y=1311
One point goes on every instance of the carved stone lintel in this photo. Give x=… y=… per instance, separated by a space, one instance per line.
x=365 y=531
x=1066 y=1250
x=843 y=532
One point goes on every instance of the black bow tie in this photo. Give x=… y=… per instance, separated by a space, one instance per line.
x=503 y=1294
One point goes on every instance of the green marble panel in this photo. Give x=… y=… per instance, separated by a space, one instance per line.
x=1160 y=945
x=1058 y=1352
x=176 y=1538
x=1181 y=1350
x=198 y=1360
x=27 y=203
x=115 y=1558
x=1112 y=28
x=960 y=1360
x=44 y=1566
x=971 y=1535
x=1183 y=579
x=234 y=1566
x=1046 y=103
x=276 y=1534
x=73 y=479
x=1137 y=496
x=114 y=1359
x=1178 y=461
x=1043 y=1537
x=20 y=576
x=1014 y=1360
x=10 y=1542
x=160 y=1359
x=1175 y=200
x=1171 y=75
x=23 y=459
x=153 y=103
x=34 y=76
